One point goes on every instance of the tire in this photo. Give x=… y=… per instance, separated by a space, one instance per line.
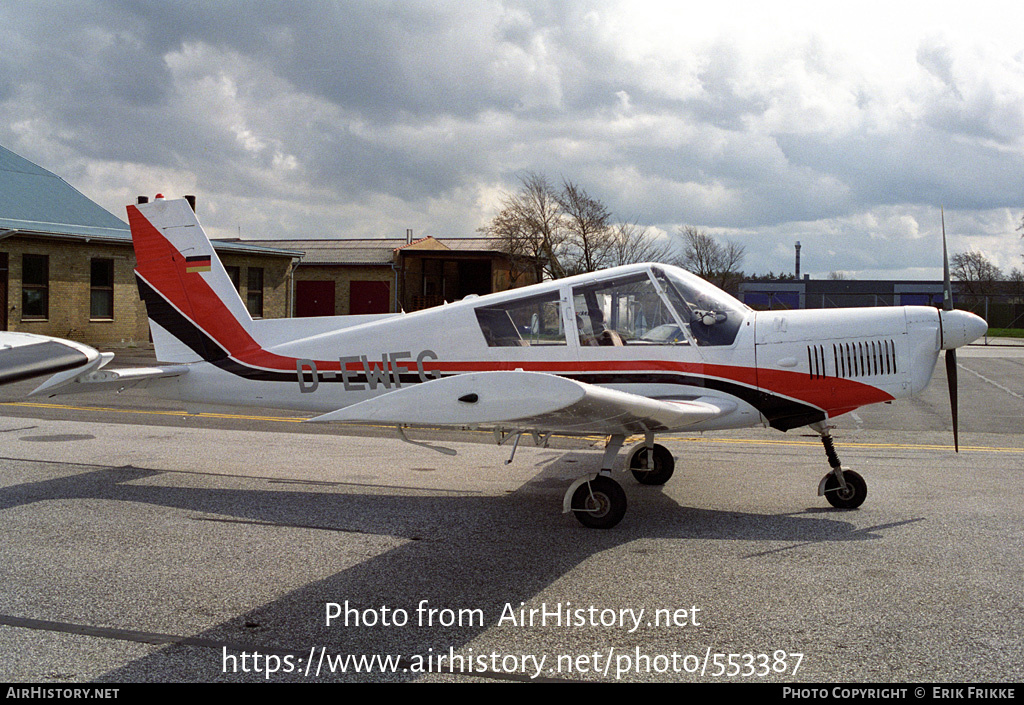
x=851 y=498
x=599 y=503
x=664 y=465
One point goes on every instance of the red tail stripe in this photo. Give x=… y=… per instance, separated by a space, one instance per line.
x=165 y=268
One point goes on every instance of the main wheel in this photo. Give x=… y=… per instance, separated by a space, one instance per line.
x=659 y=474
x=850 y=498
x=599 y=503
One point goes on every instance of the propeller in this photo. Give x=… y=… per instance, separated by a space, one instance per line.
x=947 y=305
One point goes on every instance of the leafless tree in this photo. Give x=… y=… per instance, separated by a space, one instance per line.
x=711 y=260
x=632 y=244
x=975 y=270
x=1016 y=277
x=587 y=223
x=567 y=231
x=530 y=227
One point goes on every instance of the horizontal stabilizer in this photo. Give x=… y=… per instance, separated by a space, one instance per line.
x=96 y=380
x=527 y=400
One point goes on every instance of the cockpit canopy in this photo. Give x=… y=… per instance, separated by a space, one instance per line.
x=636 y=305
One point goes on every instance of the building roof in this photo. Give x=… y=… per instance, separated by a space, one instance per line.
x=37 y=202
x=379 y=251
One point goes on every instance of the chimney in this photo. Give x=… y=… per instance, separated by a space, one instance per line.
x=408 y=236
x=797 y=259
x=141 y=199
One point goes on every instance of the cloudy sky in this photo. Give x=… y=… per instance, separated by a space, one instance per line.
x=764 y=123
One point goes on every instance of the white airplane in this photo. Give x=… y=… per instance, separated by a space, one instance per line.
x=635 y=350
x=27 y=355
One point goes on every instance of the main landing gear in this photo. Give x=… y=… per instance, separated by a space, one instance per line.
x=844 y=489
x=598 y=502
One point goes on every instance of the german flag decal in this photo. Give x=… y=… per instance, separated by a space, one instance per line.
x=199 y=263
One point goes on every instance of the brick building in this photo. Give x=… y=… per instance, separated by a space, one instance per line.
x=66 y=264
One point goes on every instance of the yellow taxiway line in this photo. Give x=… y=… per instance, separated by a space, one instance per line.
x=677 y=439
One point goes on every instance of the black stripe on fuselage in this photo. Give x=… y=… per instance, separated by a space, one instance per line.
x=782 y=413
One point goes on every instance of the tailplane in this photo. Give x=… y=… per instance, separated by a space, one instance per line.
x=194 y=311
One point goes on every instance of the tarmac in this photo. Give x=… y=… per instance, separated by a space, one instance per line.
x=144 y=544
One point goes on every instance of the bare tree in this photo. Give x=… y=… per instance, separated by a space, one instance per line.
x=530 y=227
x=632 y=244
x=711 y=260
x=587 y=223
x=1016 y=277
x=976 y=271
x=564 y=232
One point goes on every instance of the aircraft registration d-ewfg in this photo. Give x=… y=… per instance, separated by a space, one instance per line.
x=635 y=350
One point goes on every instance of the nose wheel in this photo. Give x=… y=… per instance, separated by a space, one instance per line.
x=849 y=497
x=844 y=489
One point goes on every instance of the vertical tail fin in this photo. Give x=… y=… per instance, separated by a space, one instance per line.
x=194 y=311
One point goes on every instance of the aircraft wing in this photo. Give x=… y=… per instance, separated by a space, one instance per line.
x=24 y=355
x=530 y=400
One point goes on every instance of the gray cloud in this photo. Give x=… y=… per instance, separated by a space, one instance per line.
x=366 y=118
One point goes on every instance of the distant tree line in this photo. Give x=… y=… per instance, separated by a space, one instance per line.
x=558 y=231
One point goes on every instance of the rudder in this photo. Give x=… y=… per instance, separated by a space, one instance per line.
x=193 y=308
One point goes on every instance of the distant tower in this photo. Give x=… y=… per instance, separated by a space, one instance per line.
x=797 y=259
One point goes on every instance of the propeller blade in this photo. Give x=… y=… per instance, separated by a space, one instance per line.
x=947 y=288
x=947 y=305
x=951 y=381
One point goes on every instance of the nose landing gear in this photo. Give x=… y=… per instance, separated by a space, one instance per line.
x=844 y=489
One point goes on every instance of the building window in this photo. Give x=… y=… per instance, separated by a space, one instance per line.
x=101 y=283
x=235 y=275
x=35 y=287
x=254 y=292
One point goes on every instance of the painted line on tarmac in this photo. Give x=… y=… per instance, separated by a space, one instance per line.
x=675 y=439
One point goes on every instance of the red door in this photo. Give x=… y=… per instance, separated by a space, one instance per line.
x=314 y=299
x=369 y=297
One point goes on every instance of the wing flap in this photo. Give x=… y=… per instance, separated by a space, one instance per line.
x=97 y=380
x=526 y=400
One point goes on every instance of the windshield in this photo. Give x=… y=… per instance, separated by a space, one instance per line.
x=625 y=310
x=714 y=317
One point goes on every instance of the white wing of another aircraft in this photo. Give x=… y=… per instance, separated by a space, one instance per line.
x=26 y=355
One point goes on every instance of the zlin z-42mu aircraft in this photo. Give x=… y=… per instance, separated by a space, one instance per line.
x=631 y=351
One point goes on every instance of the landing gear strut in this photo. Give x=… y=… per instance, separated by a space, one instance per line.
x=844 y=489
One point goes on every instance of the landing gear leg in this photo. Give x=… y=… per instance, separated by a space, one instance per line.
x=598 y=502
x=844 y=489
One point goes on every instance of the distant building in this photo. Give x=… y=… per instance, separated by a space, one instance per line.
x=66 y=264
x=342 y=277
x=840 y=293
